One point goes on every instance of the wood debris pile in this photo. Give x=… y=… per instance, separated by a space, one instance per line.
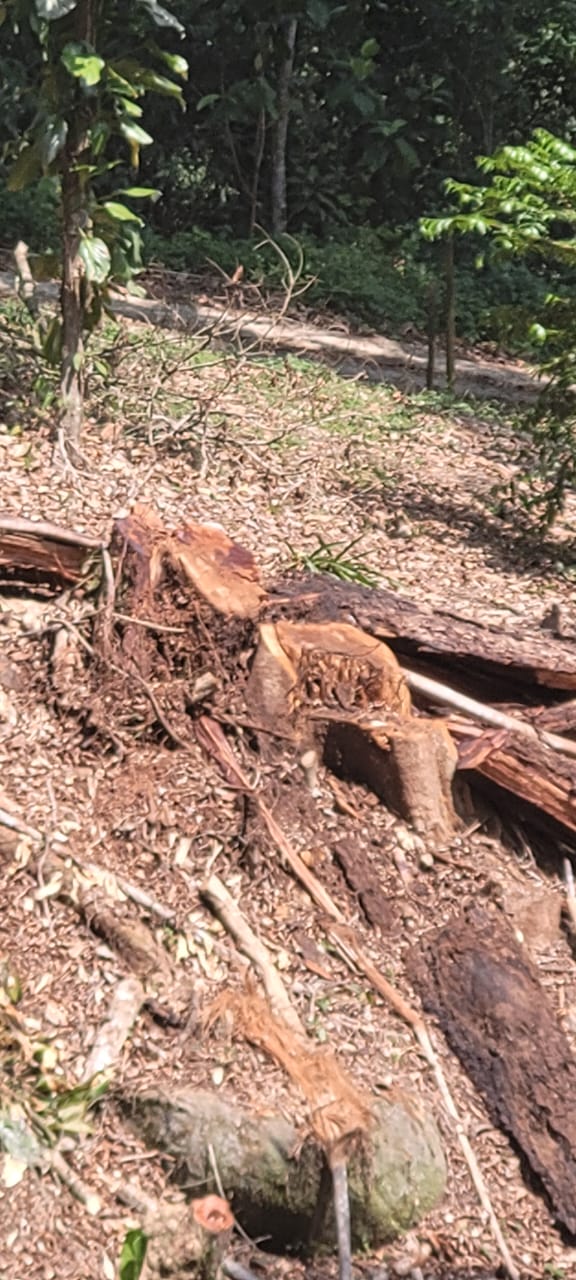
x=429 y=711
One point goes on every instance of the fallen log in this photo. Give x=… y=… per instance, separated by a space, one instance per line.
x=413 y=630
x=521 y=765
x=484 y=990
x=45 y=549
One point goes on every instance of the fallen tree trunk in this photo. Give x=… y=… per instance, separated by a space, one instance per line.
x=43 y=548
x=414 y=630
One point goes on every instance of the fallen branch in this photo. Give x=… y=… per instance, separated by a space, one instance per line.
x=448 y=697
x=112 y=1034
x=222 y=904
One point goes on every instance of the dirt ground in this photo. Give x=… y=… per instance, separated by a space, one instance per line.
x=283 y=454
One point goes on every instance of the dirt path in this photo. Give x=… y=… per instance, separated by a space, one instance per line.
x=380 y=358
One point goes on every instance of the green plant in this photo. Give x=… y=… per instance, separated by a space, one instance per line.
x=333 y=558
x=133 y=1255
x=97 y=62
x=528 y=209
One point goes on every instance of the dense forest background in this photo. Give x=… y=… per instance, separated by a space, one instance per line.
x=337 y=123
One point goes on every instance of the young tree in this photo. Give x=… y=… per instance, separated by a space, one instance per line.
x=99 y=59
x=528 y=207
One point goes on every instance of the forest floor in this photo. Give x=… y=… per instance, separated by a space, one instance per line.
x=307 y=468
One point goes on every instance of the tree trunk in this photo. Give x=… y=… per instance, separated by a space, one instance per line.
x=288 y=29
x=450 y=314
x=432 y=333
x=72 y=368
x=258 y=157
x=86 y=16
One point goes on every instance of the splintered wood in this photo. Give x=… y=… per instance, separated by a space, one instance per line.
x=321 y=675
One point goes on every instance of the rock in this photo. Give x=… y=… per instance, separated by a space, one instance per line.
x=273 y=1179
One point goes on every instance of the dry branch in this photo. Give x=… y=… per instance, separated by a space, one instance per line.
x=340 y=1114
x=112 y=1034
x=222 y=904
x=443 y=694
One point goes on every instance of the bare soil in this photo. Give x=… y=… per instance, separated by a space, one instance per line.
x=282 y=454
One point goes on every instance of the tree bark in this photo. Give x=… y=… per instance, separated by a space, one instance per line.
x=72 y=367
x=73 y=215
x=450 y=315
x=279 y=209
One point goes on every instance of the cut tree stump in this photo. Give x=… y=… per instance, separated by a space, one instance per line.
x=497 y=1018
x=408 y=762
x=223 y=573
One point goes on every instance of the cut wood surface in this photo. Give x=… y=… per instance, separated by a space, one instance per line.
x=478 y=981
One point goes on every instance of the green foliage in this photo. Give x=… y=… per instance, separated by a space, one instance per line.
x=88 y=97
x=378 y=277
x=528 y=209
x=31 y=215
x=133 y=1255
x=332 y=558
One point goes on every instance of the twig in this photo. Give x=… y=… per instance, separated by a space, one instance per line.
x=222 y=904
x=146 y=622
x=445 y=695
x=112 y=1034
x=16 y=824
x=221 y=1191
x=79 y=1189
x=570 y=895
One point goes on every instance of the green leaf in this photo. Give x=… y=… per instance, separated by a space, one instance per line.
x=132 y=1255
x=207 y=101
x=134 y=133
x=155 y=83
x=121 y=212
x=162 y=17
x=51 y=10
x=140 y=193
x=83 y=64
x=136 y=137
x=52 y=140
x=537 y=333
x=175 y=62
x=369 y=49
x=52 y=342
x=131 y=109
x=95 y=256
